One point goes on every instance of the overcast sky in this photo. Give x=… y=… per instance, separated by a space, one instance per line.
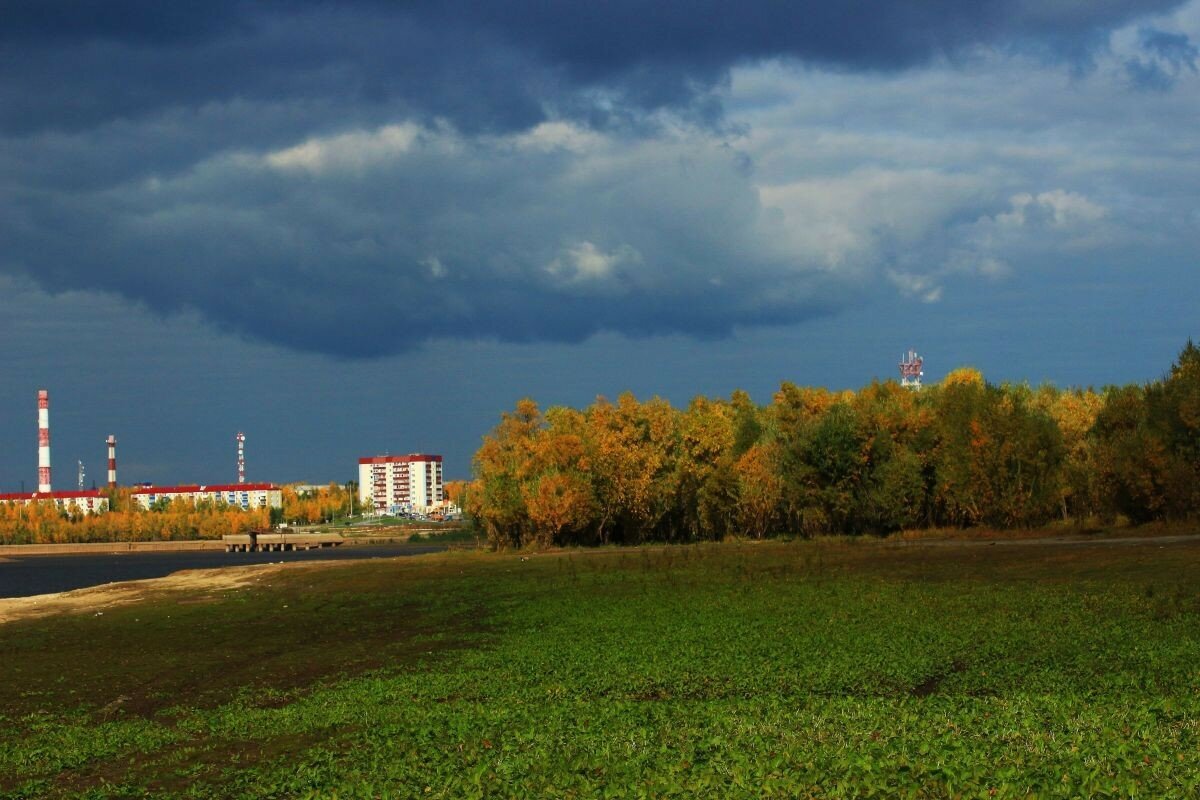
x=356 y=228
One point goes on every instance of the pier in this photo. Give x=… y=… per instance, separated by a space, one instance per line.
x=266 y=542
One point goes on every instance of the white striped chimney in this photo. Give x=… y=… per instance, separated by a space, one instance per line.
x=43 y=440
x=241 y=443
x=112 y=461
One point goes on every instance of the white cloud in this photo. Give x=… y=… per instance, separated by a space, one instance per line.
x=845 y=222
x=435 y=266
x=346 y=152
x=558 y=135
x=974 y=262
x=1058 y=208
x=992 y=267
x=584 y=262
x=923 y=287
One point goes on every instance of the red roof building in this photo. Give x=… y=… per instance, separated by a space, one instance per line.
x=88 y=501
x=399 y=484
x=245 y=495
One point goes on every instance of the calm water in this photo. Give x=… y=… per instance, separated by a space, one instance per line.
x=28 y=575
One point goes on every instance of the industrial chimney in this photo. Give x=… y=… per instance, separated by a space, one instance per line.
x=44 y=441
x=112 y=461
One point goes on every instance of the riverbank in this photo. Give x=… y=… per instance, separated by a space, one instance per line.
x=96 y=600
x=46 y=573
x=349 y=538
x=105 y=548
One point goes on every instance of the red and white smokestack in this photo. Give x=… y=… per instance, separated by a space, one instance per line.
x=241 y=443
x=43 y=440
x=112 y=461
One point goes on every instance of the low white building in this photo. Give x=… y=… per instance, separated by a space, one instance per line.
x=242 y=495
x=90 y=501
x=399 y=484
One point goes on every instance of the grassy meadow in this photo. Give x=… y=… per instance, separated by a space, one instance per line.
x=835 y=668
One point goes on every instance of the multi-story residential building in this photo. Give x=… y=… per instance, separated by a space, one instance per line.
x=243 y=495
x=398 y=484
x=89 y=501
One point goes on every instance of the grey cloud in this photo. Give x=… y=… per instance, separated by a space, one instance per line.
x=1174 y=48
x=326 y=246
x=1167 y=57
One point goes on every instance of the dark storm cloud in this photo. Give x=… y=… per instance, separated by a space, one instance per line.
x=369 y=243
x=598 y=39
x=357 y=179
x=125 y=20
x=484 y=65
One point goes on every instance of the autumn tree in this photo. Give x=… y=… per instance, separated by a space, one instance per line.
x=791 y=421
x=998 y=456
x=1131 y=460
x=499 y=506
x=632 y=451
x=456 y=492
x=897 y=430
x=1074 y=413
x=1148 y=444
x=705 y=504
x=759 y=489
x=1173 y=416
x=555 y=479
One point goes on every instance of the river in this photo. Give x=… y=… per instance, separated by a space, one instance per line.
x=22 y=576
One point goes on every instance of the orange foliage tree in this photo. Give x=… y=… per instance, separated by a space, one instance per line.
x=42 y=523
x=963 y=452
x=316 y=505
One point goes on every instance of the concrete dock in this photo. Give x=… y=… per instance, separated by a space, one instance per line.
x=249 y=542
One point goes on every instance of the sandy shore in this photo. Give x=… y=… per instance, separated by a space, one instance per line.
x=96 y=599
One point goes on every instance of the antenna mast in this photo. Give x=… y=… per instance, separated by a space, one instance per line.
x=241 y=453
x=910 y=370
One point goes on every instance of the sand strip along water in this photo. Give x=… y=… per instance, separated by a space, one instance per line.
x=96 y=599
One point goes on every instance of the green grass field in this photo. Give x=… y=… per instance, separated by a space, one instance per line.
x=848 y=669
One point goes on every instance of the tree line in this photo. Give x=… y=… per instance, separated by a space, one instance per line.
x=126 y=521
x=962 y=453
x=167 y=519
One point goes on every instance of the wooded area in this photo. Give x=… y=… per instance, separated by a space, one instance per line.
x=959 y=454
x=42 y=523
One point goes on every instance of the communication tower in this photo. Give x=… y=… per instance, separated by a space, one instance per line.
x=81 y=475
x=241 y=450
x=910 y=370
